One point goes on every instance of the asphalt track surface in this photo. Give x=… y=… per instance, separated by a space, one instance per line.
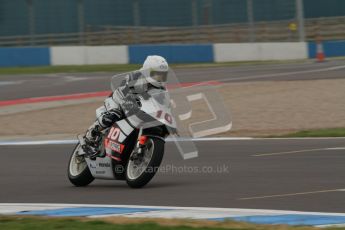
x=311 y=180
x=24 y=86
x=226 y=174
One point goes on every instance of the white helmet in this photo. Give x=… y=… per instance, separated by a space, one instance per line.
x=157 y=70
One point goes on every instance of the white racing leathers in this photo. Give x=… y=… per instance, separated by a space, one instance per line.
x=118 y=102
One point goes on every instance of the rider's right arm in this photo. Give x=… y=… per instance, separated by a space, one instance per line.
x=118 y=97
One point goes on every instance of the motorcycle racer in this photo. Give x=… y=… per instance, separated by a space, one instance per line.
x=152 y=75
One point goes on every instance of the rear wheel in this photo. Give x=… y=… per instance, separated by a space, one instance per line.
x=140 y=171
x=78 y=172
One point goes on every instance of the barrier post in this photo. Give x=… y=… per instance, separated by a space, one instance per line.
x=320 y=55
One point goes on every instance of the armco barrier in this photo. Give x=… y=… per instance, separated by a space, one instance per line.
x=173 y=53
x=24 y=57
x=228 y=52
x=88 y=55
x=330 y=49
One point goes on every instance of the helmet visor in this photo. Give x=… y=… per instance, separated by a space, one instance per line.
x=159 y=76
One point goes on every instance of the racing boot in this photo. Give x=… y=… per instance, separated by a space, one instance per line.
x=94 y=135
x=91 y=142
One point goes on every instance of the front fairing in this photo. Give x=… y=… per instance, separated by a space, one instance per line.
x=157 y=106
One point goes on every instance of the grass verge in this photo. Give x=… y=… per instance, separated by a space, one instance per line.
x=119 y=223
x=331 y=132
x=68 y=69
x=123 y=67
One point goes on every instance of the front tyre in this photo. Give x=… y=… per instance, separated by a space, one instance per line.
x=78 y=172
x=140 y=172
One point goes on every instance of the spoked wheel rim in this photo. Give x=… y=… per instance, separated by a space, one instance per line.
x=136 y=168
x=77 y=164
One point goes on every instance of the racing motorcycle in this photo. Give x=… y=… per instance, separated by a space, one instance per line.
x=131 y=149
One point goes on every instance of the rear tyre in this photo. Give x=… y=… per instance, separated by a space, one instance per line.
x=138 y=174
x=78 y=172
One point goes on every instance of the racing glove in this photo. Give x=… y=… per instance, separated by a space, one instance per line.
x=110 y=117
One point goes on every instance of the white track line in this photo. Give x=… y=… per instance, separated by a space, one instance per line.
x=65 y=142
x=283 y=74
x=167 y=212
x=298 y=138
x=330 y=226
x=291 y=194
x=3 y=206
x=336 y=148
x=43 y=142
x=297 y=151
x=7 y=83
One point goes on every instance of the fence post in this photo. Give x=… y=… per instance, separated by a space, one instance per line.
x=136 y=20
x=207 y=8
x=81 y=21
x=250 y=16
x=194 y=13
x=31 y=14
x=300 y=20
x=195 y=20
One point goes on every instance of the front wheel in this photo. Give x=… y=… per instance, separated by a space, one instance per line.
x=140 y=171
x=78 y=172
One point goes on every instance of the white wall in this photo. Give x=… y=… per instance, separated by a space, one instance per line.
x=88 y=55
x=226 y=52
x=223 y=52
x=67 y=55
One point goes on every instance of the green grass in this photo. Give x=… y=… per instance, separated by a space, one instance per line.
x=69 y=69
x=33 y=223
x=122 y=67
x=331 y=132
x=70 y=224
x=47 y=224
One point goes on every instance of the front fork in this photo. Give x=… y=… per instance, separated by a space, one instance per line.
x=140 y=146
